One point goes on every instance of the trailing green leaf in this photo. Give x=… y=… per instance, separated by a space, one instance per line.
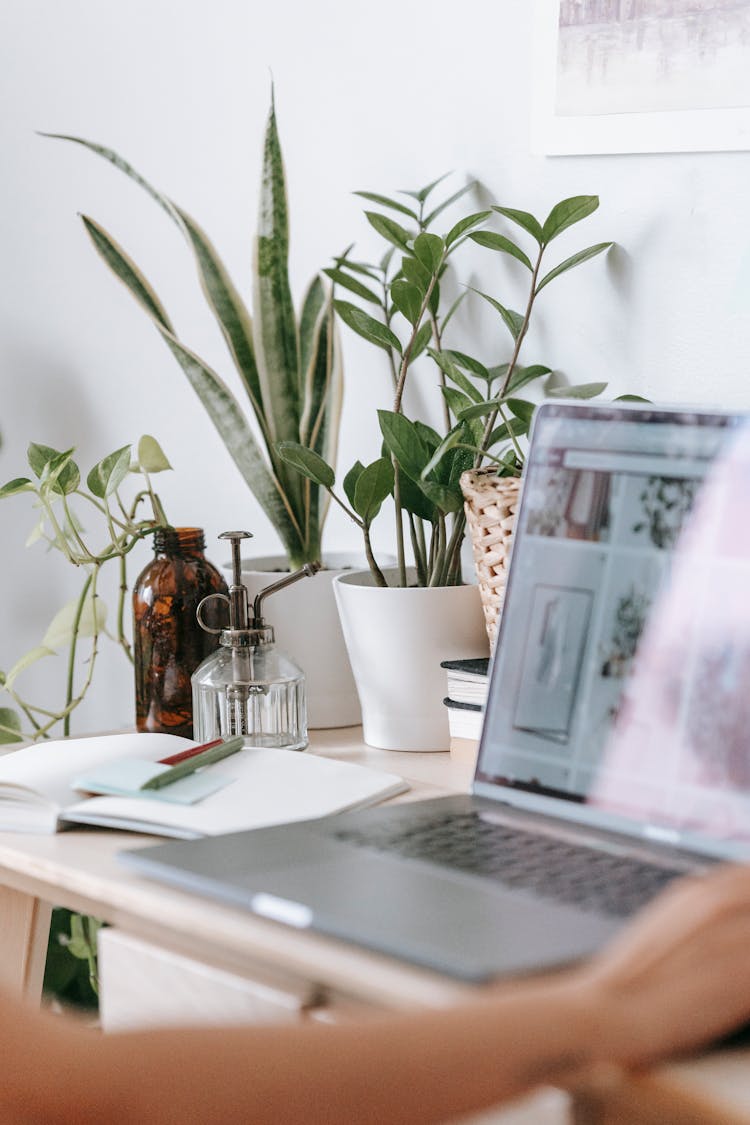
x=151 y=456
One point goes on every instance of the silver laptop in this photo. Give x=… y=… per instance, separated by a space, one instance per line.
x=569 y=828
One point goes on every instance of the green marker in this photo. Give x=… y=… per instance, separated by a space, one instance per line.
x=196 y=762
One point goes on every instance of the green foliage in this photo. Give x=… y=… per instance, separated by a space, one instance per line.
x=56 y=489
x=289 y=366
x=482 y=414
x=70 y=972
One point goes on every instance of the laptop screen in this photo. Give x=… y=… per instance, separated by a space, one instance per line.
x=618 y=682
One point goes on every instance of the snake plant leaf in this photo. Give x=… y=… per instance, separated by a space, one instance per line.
x=573 y=260
x=493 y=241
x=322 y=394
x=385 y=201
x=580 y=390
x=151 y=456
x=390 y=230
x=276 y=345
x=28 y=658
x=218 y=401
x=523 y=219
x=230 y=311
x=307 y=463
x=107 y=476
x=10 y=726
x=566 y=213
x=224 y=300
x=127 y=271
x=373 y=485
x=367 y=326
x=123 y=165
x=313 y=302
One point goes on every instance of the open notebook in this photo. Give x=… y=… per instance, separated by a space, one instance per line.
x=266 y=787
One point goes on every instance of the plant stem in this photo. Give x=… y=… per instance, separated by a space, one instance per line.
x=417 y=551
x=441 y=374
x=122 y=594
x=438 y=563
x=492 y=418
x=374 y=568
x=73 y=645
x=400 y=553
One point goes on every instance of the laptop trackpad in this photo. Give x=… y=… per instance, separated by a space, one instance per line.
x=439 y=920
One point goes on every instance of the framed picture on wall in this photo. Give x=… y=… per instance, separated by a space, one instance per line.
x=641 y=76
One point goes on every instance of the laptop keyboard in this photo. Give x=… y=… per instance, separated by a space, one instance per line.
x=569 y=873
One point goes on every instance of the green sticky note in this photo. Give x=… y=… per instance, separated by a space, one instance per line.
x=126 y=778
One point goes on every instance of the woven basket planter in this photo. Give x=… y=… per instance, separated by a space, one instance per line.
x=490 y=503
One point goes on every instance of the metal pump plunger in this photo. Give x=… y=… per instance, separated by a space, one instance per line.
x=237 y=681
x=243 y=630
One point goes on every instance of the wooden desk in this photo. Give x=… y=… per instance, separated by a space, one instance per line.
x=179 y=954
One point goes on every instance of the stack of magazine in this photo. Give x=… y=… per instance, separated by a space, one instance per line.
x=466 y=696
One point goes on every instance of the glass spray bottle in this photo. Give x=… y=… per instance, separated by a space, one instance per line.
x=247 y=687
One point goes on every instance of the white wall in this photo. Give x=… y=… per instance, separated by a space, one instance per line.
x=368 y=96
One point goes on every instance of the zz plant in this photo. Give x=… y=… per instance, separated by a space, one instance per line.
x=400 y=311
x=289 y=367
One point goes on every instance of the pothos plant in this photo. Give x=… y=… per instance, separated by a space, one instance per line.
x=401 y=311
x=118 y=525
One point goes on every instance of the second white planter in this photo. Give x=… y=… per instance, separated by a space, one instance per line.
x=396 y=638
x=307 y=628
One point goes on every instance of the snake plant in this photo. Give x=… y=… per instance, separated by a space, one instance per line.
x=289 y=367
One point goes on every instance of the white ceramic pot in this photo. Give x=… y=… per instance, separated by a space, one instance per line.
x=396 y=638
x=307 y=628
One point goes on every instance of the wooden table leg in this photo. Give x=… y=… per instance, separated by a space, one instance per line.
x=24 y=932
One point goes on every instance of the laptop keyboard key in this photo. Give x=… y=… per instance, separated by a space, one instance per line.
x=521 y=859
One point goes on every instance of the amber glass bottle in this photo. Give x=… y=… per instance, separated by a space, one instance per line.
x=168 y=643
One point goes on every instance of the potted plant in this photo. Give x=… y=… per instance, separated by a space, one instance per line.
x=484 y=417
x=290 y=370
